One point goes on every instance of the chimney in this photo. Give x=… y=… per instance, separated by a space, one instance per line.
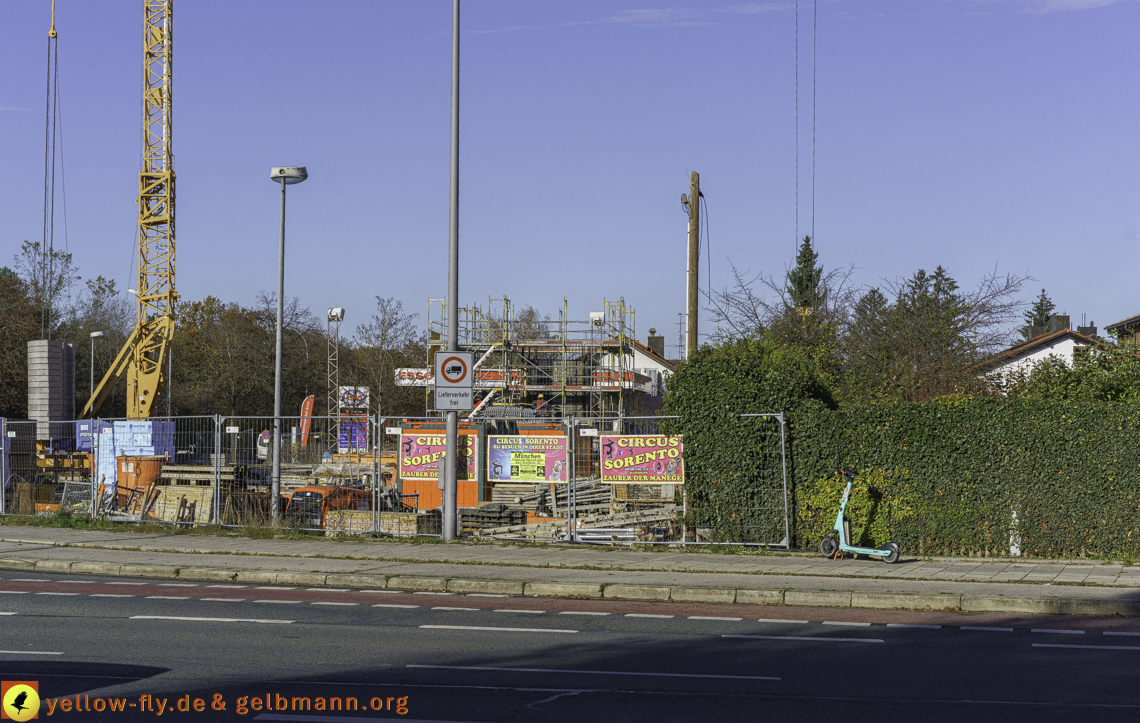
x=1059 y=322
x=656 y=343
x=1089 y=331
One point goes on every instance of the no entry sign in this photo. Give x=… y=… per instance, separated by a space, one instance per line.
x=454 y=379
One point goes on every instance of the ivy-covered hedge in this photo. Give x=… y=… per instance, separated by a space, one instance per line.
x=949 y=477
x=963 y=476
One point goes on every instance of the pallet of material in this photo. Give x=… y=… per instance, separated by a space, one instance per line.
x=342 y=522
x=409 y=523
x=626 y=519
x=182 y=504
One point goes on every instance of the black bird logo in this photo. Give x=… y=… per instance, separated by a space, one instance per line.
x=18 y=702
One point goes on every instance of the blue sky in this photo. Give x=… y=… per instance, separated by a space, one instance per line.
x=969 y=133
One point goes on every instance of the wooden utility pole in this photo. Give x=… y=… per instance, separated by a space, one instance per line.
x=692 y=295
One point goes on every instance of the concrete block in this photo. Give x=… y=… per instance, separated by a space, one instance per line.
x=417 y=583
x=1049 y=606
x=95 y=568
x=702 y=594
x=17 y=564
x=495 y=587
x=299 y=578
x=760 y=597
x=563 y=589
x=265 y=578
x=148 y=571
x=818 y=598
x=207 y=573
x=635 y=592
x=363 y=581
x=904 y=601
x=53 y=566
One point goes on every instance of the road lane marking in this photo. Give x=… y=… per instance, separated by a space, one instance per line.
x=27 y=652
x=854 y=625
x=513 y=610
x=128 y=583
x=7 y=613
x=1055 y=630
x=1111 y=632
x=344 y=604
x=209 y=620
x=327 y=589
x=28 y=579
x=57 y=593
x=502 y=630
x=792 y=637
x=281 y=602
x=222 y=599
x=177 y=584
x=392 y=605
x=779 y=620
x=466 y=609
x=14 y=592
x=230 y=587
x=989 y=630
x=483 y=594
x=913 y=625
x=78 y=582
x=390 y=592
x=711 y=617
x=580 y=612
x=167 y=597
x=1087 y=647
x=594 y=672
x=271 y=587
x=425 y=592
x=646 y=615
x=108 y=594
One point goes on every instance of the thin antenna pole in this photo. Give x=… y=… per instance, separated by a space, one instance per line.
x=814 y=27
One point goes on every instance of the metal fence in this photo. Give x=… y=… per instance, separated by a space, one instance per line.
x=372 y=475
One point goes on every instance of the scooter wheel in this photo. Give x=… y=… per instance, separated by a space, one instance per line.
x=894 y=554
x=828 y=546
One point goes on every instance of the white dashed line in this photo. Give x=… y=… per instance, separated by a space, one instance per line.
x=812 y=639
x=710 y=617
x=1052 y=630
x=7 y=613
x=222 y=599
x=166 y=597
x=390 y=592
x=988 y=630
x=1111 y=632
x=343 y=604
x=281 y=602
x=465 y=609
x=177 y=584
x=108 y=594
x=327 y=589
x=839 y=622
x=501 y=630
x=208 y=620
x=511 y=610
x=390 y=605
x=271 y=587
x=913 y=625
x=425 y=592
x=230 y=587
x=14 y=592
x=78 y=582
x=485 y=594
x=57 y=593
x=1087 y=647
x=646 y=615
x=779 y=620
x=28 y=579
x=128 y=583
x=27 y=652
x=580 y=612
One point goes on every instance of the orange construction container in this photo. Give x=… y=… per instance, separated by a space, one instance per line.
x=137 y=473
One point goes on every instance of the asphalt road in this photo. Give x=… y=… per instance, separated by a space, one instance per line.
x=446 y=657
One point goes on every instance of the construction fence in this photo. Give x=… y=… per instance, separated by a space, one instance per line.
x=617 y=480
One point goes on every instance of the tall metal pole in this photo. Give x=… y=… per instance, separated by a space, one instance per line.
x=450 y=460
x=92 y=392
x=275 y=501
x=692 y=295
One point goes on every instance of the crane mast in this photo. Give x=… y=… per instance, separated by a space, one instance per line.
x=144 y=355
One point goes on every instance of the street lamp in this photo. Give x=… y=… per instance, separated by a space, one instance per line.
x=286 y=176
x=94 y=335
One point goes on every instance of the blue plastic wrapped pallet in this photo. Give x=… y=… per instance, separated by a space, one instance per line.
x=85 y=432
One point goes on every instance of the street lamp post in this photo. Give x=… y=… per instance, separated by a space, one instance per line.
x=286 y=176
x=94 y=335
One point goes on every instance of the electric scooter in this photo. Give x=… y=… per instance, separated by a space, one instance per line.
x=832 y=547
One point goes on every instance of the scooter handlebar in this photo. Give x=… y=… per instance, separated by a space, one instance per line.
x=849 y=473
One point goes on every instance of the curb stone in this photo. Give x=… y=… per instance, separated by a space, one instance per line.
x=808 y=598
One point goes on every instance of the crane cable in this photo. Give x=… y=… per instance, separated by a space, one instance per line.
x=47 y=247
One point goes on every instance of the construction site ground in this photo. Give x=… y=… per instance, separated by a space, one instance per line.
x=1011 y=586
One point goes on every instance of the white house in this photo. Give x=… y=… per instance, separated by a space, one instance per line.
x=1066 y=344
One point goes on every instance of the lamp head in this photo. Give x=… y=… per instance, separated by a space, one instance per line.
x=336 y=314
x=98 y=334
x=288 y=174
x=685 y=203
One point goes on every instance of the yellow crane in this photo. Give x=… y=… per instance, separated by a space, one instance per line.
x=144 y=355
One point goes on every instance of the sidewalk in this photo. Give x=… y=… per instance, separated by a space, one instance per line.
x=1009 y=586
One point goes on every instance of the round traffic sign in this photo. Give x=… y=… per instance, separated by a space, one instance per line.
x=453 y=370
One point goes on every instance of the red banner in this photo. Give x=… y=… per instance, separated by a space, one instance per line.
x=306 y=418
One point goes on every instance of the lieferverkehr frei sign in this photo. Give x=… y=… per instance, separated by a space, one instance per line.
x=642 y=459
x=454 y=379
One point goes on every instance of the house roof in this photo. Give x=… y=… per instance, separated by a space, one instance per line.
x=653 y=355
x=1032 y=345
x=1124 y=323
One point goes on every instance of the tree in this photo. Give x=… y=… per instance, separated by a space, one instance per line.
x=387 y=341
x=1038 y=314
x=803 y=288
x=19 y=323
x=50 y=276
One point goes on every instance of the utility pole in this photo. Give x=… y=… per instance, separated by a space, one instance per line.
x=450 y=482
x=692 y=295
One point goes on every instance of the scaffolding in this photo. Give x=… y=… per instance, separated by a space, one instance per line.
x=527 y=364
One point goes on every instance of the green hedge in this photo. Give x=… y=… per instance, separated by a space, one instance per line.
x=947 y=477
x=943 y=477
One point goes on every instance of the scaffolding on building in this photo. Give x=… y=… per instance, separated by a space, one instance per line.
x=564 y=367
